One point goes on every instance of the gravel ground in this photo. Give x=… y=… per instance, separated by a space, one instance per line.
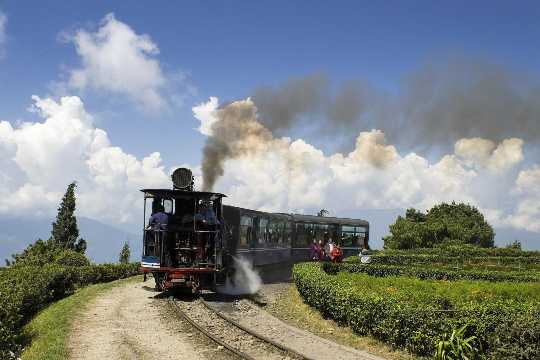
x=129 y=323
x=229 y=334
x=269 y=293
x=306 y=343
x=254 y=317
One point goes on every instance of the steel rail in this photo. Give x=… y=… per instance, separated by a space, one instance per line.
x=206 y=333
x=255 y=333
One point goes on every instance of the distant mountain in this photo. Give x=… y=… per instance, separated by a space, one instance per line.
x=104 y=241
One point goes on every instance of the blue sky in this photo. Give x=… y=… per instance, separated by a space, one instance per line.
x=229 y=48
x=143 y=101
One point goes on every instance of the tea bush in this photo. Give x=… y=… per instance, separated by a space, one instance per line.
x=26 y=289
x=464 y=250
x=427 y=273
x=389 y=258
x=517 y=338
x=416 y=314
x=71 y=258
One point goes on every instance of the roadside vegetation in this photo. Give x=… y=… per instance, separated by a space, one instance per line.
x=458 y=297
x=51 y=328
x=291 y=308
x=45 y=272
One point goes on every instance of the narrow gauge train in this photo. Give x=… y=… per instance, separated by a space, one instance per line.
x=195 y=247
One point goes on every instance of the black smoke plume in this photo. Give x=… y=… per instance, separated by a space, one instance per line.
x=236 y=132
x=435 y=105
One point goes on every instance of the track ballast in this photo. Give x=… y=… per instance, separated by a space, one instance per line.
x=224 y=331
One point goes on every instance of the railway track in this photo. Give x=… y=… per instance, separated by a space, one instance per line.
x=224 y=331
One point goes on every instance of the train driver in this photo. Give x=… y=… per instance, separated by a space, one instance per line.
x=159 y=219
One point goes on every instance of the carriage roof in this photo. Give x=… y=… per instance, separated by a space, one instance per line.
x=329 y=220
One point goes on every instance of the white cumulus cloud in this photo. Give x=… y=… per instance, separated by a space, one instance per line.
x=204 y=112
x=527 y=215
x=478 y=152
x=292 y=175
x=117 y=60
x=39 y=159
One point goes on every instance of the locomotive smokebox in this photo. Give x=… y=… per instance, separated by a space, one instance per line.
x=182 y=179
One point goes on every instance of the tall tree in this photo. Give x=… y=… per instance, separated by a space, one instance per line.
x=125 y=254
x=65 y=232
x=443 y=224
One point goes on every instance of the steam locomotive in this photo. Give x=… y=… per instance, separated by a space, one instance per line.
x=195 y=247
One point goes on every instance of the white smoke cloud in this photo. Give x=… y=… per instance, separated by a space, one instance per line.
x=3 y=35
x=287 y=175
x=39 y=159
x=117 y=60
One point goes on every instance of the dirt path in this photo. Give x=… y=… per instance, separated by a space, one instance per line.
x=128 y=323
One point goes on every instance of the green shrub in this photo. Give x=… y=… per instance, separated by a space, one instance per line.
x=71 y=258
x=463 y=250
x=391 y=258
x=24 y=290
x=517 y=338
x=427 y=273
x=416 y=314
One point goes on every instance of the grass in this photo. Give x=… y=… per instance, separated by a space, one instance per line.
x=49 y=331
x=290 y=308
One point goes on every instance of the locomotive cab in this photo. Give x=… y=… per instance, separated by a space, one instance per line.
x=183 y=235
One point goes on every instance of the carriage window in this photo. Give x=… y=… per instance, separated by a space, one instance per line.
x=304 y=234
x=280 y=233
x=321 y=233
x=262 y=233
x=246 y=224
x=361 y=232
x=287 y=234
x=353 y=236
x=275 y=233
x=271 y=236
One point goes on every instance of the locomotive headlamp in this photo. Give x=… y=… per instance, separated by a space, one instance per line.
x=182 y=179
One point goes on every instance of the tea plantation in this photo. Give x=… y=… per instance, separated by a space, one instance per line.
x=415 y=299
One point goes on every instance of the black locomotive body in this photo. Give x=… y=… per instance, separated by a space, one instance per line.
x=191 y=238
